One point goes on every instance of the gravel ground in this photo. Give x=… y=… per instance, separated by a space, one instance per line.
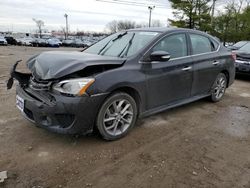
x=201 y=144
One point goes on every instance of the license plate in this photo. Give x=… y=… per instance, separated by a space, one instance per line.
x=20 y=103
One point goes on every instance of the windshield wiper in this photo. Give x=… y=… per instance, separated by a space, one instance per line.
x=127 y=47
x=112 y=40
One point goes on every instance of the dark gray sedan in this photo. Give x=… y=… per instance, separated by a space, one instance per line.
x=127 y=75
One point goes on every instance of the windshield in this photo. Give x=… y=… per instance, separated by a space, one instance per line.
x=122 y=44
x=246 y=47
x=239 y=44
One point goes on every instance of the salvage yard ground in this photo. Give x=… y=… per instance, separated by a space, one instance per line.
x=201 y=144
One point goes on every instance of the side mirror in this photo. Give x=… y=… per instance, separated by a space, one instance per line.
x=160 y=56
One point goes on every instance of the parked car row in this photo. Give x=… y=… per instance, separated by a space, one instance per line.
x=40 y=42
x=51 y=42
x=242 y=53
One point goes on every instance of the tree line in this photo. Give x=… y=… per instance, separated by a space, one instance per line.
x=119 y=25
x=231 y=23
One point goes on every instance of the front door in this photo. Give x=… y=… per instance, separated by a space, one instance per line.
x=169 y=81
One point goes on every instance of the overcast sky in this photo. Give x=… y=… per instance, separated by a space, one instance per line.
x=88 y=15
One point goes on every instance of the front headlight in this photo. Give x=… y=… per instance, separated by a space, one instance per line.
x=74 y=86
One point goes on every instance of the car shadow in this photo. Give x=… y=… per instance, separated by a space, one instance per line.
x=245 y=77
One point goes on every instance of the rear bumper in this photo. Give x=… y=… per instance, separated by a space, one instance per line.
x=61 y=114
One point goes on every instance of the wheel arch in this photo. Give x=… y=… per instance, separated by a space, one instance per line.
x=133 y=93
x=227 y=76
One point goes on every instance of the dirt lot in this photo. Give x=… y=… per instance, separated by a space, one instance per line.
x=197 y=145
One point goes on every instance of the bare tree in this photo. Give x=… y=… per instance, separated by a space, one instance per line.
x=112 y=26
x=141 y=25
x=39 y=24
x=126 y=24
x=156 y=23
x=120 y=25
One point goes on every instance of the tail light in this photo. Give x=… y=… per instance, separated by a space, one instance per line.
x=234 y=56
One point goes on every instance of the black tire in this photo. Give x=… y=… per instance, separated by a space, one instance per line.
x=107 y=112
x=219 y=87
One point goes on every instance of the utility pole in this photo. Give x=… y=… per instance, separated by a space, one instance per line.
x=212 y=14
x=67 y=28
x=150 y=8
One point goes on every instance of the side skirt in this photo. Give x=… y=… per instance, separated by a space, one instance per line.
x=172 y=105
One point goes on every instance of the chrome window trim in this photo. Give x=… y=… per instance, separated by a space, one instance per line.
x=218 y=48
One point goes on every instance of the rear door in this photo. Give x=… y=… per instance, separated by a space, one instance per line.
x=171 y=80
x=206 y=63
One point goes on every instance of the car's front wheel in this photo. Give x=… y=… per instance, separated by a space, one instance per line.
x=116 y=116
x=219 y=87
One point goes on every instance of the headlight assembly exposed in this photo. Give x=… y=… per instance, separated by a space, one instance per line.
x=74 y=86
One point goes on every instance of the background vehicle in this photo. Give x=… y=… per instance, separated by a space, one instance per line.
x=11 y=40
x=25 y=41
x=78 y=43
x=3 y=41
x=127 y=75
x=67 y=42
x=237 y=45
x=242 y=62
x=54 y=42
x=19 y=41
x=87 y=43
x=39 y=42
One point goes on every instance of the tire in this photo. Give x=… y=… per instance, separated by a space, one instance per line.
x=219 y=88
x=117 y=116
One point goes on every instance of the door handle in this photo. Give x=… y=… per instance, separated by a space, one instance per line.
x=216 y=62
x=186 y=68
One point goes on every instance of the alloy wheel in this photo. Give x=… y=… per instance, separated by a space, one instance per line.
x=220 y=87
x=118 y=117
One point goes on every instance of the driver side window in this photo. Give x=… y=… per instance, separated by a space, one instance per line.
x=175 y=45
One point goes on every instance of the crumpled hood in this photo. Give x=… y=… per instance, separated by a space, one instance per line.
x=56 y=64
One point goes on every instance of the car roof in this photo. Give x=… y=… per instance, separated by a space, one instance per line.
x=153 y=29
x=163 y=29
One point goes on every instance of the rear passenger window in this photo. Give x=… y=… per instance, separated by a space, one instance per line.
x=175 y=45
x=201 y=44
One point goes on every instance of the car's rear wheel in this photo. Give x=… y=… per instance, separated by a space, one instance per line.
x=116 y=116
x=219 y=87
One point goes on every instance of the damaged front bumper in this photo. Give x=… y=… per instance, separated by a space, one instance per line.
x=54 y=111
x=58 y=113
